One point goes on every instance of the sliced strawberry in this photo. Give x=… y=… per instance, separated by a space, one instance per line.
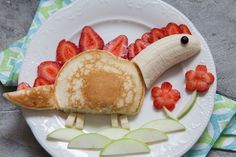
x=156 y=92
x=156 y=34
x=146 y=37
x=184 y=29
x=39 y=81
x=170 y=104
x=48 y=70
x=139 y=45
x=199 y=79
x=23 y=85
x=131 y=53
x=66 y=50
x=158 y=102
x=163 y=29
x=166 y=87
x=175 y=94
x=89 y=39
x=202 y=86
x=172 y=28
x=118 y=46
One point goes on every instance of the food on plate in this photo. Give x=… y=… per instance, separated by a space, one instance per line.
x=64 y=134
x=89 y=141
x=147 y=135
x=139 y=45
x=89 y=39
x=66 y=50
x=188 y=106
x=172 y=28
x=23 y=85
x=39 y=81
x=97 y=82
x=48 y=70
x=169 y=114
x=131 y=53
x=118 y=46
x=165 y=96
x=124 y=146
x=113 y=133
x=199 y=80
x=184 y=29
x=156 y=34
x=165 y=125
x=146 y=37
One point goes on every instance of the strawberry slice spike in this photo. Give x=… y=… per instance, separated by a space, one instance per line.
x=146 y=37
x=89 y=39
x=23 y=85
x=66 y=50
x=166 y=87
x=156 y=34
x=139 y=45
x=184 y=29
x=163 y=29
x=118 y=46
x=39 y=81
x=172 y=28
x=131 y=53
x=48 y=70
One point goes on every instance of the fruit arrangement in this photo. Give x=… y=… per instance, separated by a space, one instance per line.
x=51 y=76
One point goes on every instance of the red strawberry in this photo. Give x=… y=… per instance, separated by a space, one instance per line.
x=163 y=29
x=118 y=46
x=39 y=81
x=66 y=50
x=131 y=53
x=184 y=29
x=23 y=85
x=199 y=79
x=172 y=28
x=48 y=70
x=89 y=39
x=146 y=37
x=165 y=96
x=139 y=45
x=156 y=34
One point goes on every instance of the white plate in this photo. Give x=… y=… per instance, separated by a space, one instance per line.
x=111 y=18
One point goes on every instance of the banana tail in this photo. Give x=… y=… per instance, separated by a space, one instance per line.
x=37 y=98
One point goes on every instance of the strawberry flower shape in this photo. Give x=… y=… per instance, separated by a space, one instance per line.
x=165 y=96
x=199 y=80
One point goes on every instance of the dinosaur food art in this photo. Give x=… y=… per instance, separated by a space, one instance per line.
x=112 y=78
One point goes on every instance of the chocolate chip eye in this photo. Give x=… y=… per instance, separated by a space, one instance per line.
x=184 y=40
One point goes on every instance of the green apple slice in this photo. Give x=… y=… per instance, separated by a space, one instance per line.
x=89 y=141
x=113 y=133
x=188 y=106
x=147 y=135
x=64 y=134
x=169 y=114
x=124 y=146
x=165 y=125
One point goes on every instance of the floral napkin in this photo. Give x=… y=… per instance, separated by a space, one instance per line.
x=222 y=119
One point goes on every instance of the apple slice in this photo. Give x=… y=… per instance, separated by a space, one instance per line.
x=124 y=146
x=64 y=134
x=165 y=125
x=89 y=141
x=169 y=114
x=113 y=133
x=147 y=135
x=188 y=106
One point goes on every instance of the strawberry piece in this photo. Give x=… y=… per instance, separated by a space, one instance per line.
x=131 y=53
x=172 y=28
x=199 y=79
x=156 y=34
x=146 y=37
x=118 y=46
x=66 y=50
x=89 y=39
x=139 y=45
x=184 y=29
x=48 y=70
x=163 y=29
x=165 y=96
x=23 y=85
x=39 y=81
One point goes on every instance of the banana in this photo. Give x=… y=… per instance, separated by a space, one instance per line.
x=158 y=57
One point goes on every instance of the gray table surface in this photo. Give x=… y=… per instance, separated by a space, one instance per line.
x=215 y=19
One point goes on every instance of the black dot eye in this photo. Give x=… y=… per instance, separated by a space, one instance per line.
x=184 y=40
